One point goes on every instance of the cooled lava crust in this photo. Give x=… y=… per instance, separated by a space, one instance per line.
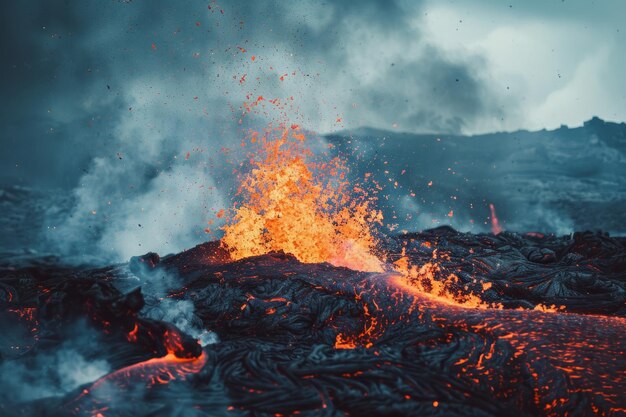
x=313 y=339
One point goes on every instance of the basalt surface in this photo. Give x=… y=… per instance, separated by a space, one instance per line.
x=314 y=339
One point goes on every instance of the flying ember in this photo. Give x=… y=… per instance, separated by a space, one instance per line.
x=294 y=202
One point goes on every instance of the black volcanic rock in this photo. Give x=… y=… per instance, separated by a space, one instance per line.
x=314 y=339
x=550 y=181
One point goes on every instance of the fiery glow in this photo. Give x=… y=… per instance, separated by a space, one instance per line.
x=344 y=342
x=366 y=337
x=155 y=371
x=429 y=279
x=176 y=365
x=293 y=203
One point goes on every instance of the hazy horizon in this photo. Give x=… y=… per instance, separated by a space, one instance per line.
x=104 y=101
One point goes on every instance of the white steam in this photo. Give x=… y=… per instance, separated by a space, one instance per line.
x=53 y=373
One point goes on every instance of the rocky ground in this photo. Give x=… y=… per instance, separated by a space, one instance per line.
x=279 y=337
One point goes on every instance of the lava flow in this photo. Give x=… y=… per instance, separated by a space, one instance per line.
x=583 y=354
x=134 y=380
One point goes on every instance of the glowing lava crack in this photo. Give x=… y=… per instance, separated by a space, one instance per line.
x=307 y=339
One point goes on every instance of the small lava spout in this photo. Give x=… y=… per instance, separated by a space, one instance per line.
x=495 y=224
x=295 y=203
x=429 y=279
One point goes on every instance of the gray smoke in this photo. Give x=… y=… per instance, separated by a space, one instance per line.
x=131 y=87
x=105 y=99
x=54 y=372
x=157 y=286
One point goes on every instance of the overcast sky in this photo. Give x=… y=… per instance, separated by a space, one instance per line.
x=554 y=61
x=106 y=97
x=71 y=70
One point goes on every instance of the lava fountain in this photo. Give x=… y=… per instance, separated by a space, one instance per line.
x=293 y=202
x=303 y=204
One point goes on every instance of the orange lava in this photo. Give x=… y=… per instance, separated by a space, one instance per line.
x=427 y=280
x=156 y=371
x=153 y=371
x=294 y=203
x=586 y=349
x=344 y=342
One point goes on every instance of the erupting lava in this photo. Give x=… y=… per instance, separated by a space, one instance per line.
x=292 y=202
x=427 y=279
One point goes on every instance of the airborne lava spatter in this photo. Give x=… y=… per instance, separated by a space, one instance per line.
x=292 y=202
x=295 y=202
x=299 y=203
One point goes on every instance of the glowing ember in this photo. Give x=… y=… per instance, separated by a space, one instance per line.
x=300 y=206
x=370 y=332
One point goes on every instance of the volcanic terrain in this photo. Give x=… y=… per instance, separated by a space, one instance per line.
x=497 y=326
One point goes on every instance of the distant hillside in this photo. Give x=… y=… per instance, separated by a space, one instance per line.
x=550 y=181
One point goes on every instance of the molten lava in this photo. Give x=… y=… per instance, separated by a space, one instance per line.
x=293 y=203
x=429 y=280
x=176 y=365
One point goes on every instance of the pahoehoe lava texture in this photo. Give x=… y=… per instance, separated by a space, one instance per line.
x=278 y=321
